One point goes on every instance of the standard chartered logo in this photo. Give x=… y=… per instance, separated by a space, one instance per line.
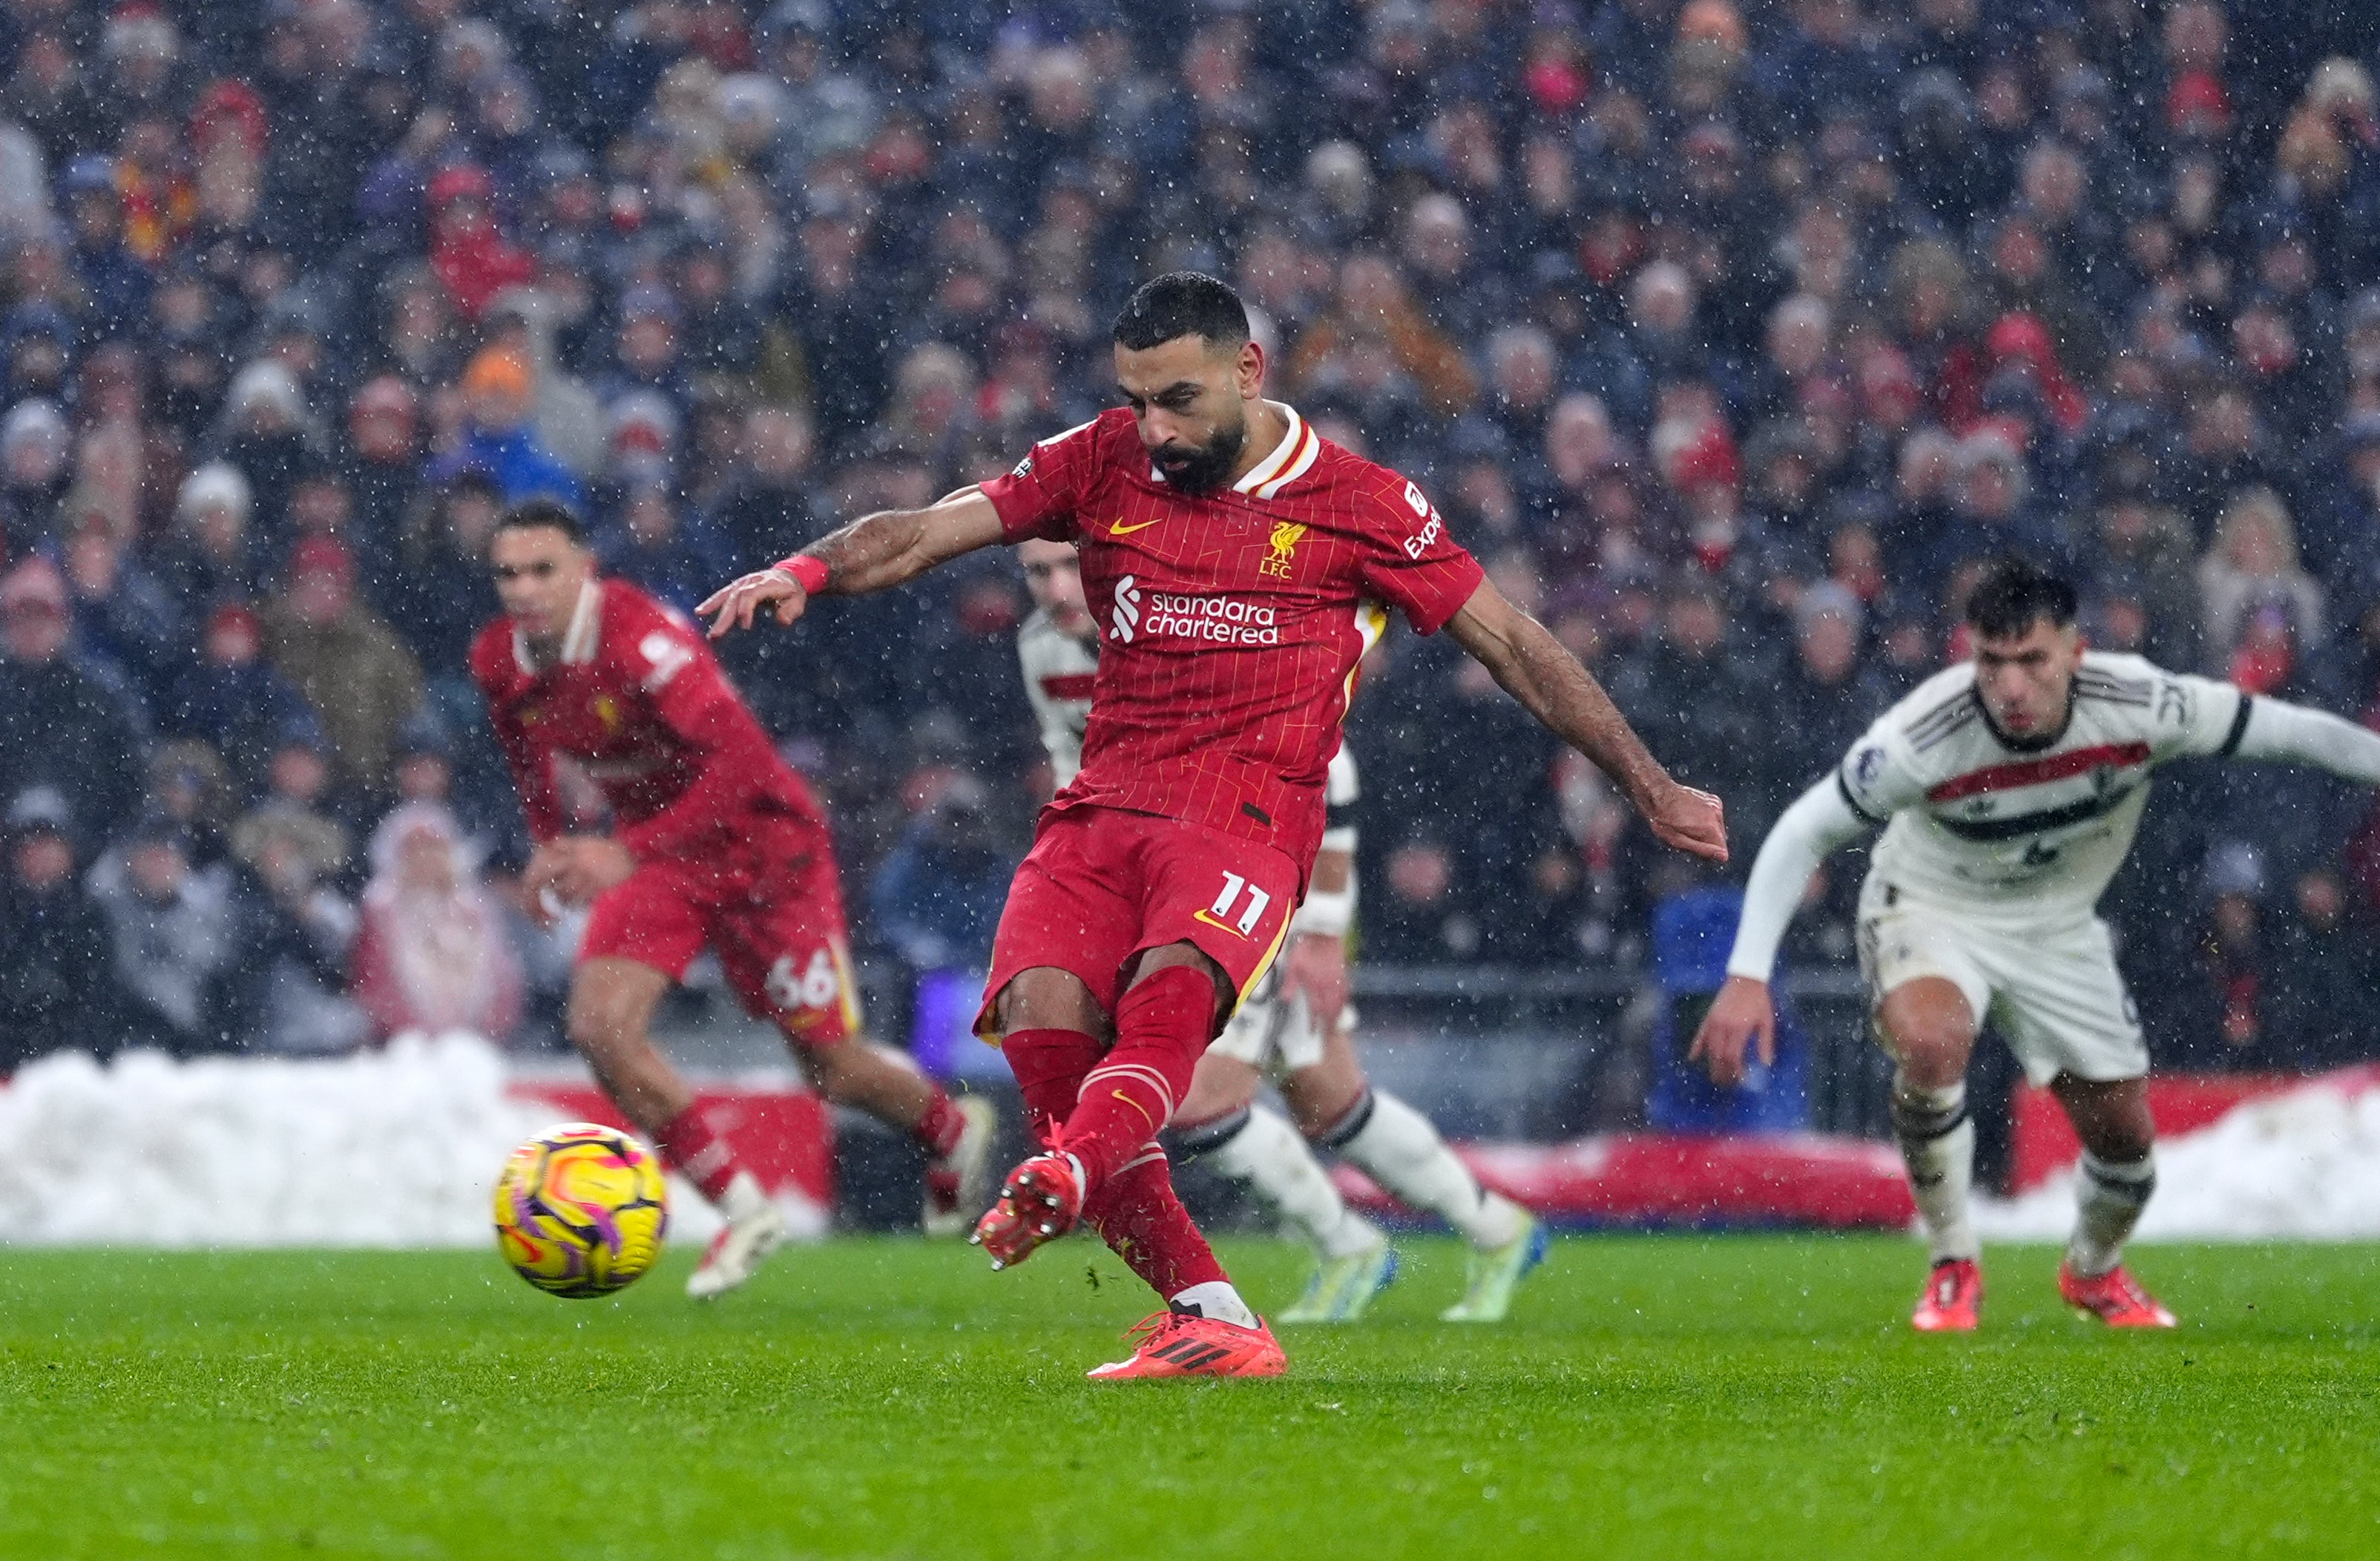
x=1127 y=608
x=1219 y=620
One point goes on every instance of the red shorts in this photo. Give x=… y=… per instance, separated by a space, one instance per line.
x=771 y=906
x=1102 y=885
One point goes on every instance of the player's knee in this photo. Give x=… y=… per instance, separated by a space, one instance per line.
x=1931 y=1044
x=1045 y=997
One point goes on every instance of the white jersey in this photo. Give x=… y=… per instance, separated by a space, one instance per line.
x=2027 y=834
x=1059 y=672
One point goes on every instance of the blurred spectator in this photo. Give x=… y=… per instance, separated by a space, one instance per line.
x=188 y=786
x=58 y=955
x=434 y=953
x=298 y=804
x=674 y=556
x=179 y=942
x=2254 y=589
x=1792 y=297
x=350 y=665
x=2323 y=974
x=232 y=697
x=444 y=594
x=500 y=439
x=213 y=556
x=297 y=933
x=61 y=725
x=1702 y=701
x=124 y=617
x=937 y=897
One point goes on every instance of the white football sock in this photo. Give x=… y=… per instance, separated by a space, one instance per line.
x=2109 y=1196
x=1398 y=1148
x=1267 y=1155
x=742 y=1197
x=1215 y=1298
x=1937 y=1143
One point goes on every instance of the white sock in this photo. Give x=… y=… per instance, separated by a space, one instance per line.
x=1937 y=1143
x=1215 y=1298
x=742 y=1197
x=1398 y=1148
x=1267 y=1155
x=2109 y=1196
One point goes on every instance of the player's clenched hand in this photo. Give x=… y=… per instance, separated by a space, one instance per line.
x=733 y=606
x=1690 y=819
x=1317 y=966
x=1741 y=1014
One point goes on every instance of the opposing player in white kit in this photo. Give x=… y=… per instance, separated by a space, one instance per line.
x=2009 y=789
x=1296 y=1029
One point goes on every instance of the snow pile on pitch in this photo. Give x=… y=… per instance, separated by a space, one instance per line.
x=394 y=1148
x=2300 y=1165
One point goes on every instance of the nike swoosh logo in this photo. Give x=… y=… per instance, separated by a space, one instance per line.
x=1121 y=530
x=1136 y=1106
x=1202 y=915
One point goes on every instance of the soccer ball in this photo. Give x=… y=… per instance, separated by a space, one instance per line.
x=580 y=1210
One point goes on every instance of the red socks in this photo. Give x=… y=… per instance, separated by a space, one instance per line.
x=940 y=1128
x=1162 y=1026
x=1106 y=1111
x=1136 y=1213
x=698 y=1146
x=1048 y=1065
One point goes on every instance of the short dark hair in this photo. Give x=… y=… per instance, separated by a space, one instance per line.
x=1182 y=303
x=2012 y=593
x=540 y=513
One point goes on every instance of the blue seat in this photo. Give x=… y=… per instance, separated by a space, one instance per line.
x=1692 y=934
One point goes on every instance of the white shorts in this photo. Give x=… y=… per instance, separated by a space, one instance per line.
x=1275 y=1037
x=2053 y=994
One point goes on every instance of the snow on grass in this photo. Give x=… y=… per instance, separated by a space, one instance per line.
x=392 y=1148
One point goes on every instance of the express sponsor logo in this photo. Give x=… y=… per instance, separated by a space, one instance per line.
x=1418 y=544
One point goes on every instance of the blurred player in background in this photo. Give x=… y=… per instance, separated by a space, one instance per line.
x=1296 y=1029
x=1237 y=563
x=2009 y=788
x=716 y=842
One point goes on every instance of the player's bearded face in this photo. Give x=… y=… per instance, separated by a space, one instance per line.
x=1202 y=467
x=1185 y=397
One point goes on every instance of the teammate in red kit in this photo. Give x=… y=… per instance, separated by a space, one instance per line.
x=1239 y=566
x=716 y=842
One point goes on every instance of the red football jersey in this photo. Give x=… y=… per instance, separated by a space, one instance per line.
x=1229 y=623
x=638 y=698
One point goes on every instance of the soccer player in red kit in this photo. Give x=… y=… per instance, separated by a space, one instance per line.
x=715 y=841
x=1239 y=566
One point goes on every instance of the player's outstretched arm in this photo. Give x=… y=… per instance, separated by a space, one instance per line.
x=2277 y=731
x=1534 y=668
x=1817 y=823
x=871 y=554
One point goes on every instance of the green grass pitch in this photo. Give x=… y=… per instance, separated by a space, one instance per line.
x=1653 y=1397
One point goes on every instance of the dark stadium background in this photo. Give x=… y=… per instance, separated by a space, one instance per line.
x=1728 y=336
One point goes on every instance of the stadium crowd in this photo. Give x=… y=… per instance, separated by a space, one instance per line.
x=1728 y=336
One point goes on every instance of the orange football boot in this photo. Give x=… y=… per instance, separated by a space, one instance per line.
x=1041 y=1202
x=1953 y=1299
x=1183 y=1343
x=2115 y=1297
